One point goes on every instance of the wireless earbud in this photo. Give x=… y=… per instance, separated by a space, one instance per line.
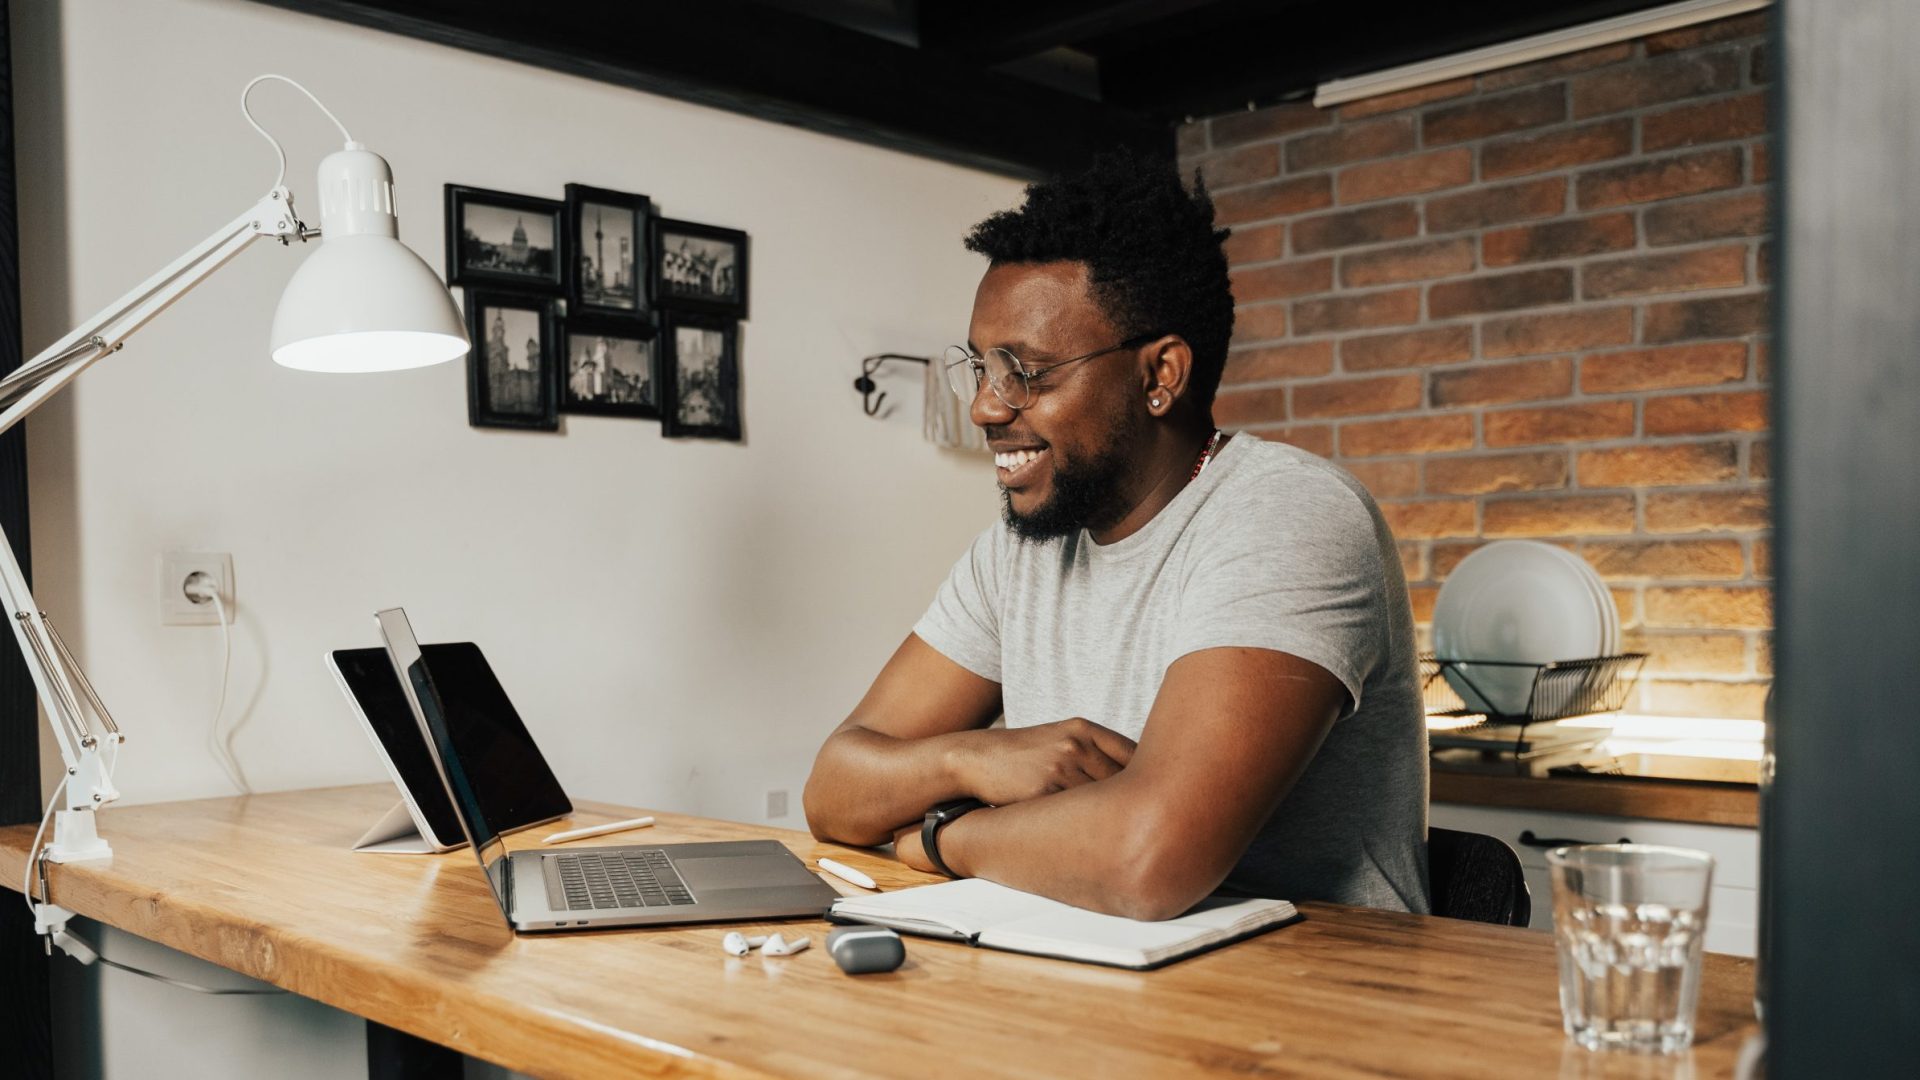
x=780 y=946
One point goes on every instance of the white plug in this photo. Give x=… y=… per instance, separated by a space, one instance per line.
x=189 y=581
x=200 y=588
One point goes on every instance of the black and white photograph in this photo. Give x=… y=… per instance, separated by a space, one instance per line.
x=700 y=267
x=499 y=238
x=700 y=366
x=607 y=269
x=512 y=367
x=609 y=370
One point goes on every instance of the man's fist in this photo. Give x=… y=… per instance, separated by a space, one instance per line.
x=1012 y=765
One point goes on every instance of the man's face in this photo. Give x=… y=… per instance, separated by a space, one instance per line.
x=1064 y=459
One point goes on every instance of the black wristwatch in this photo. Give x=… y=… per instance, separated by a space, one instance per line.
x=937 y=817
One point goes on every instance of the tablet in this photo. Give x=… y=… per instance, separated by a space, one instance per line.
x=521 y=788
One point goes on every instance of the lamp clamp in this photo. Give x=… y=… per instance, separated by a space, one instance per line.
x=274 y=216
x=49 y=918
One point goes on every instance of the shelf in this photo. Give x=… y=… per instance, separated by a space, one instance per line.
x=1697 y=802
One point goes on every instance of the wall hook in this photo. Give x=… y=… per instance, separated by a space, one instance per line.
x=865 y=383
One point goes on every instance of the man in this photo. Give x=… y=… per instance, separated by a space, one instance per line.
x=1201 y=644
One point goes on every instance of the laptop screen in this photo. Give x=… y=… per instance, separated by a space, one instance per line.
x=410 y=664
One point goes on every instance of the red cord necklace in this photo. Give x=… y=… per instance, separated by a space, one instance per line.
x=1206 y=455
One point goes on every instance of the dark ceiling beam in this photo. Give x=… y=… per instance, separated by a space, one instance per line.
x=780 y=66
x=1275 y=56
x=994 y=31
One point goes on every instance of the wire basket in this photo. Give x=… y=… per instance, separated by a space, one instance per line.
x=1561 y=688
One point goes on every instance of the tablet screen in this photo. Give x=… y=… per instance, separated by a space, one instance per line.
x=515 y=786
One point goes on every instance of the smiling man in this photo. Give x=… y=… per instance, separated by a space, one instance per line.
x=1200 y=643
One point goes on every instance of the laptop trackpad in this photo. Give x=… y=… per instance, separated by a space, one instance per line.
x=742 y=872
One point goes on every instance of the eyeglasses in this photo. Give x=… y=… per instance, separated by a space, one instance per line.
x=1012 y=382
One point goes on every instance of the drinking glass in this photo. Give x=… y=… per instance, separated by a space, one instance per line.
x=1628 y=923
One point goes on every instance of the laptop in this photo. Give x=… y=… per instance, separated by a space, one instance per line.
x=598 y=887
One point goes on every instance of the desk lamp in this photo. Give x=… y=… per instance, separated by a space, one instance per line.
x=361 y=302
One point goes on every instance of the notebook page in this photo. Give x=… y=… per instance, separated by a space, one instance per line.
x=967 y=906
x=1079 y=934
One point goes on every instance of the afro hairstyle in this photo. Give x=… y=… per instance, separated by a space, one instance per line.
x=1153 y=257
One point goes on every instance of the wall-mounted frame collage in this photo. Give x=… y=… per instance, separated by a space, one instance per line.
x=593 y=305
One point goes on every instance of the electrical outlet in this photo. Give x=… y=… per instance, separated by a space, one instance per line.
x=176 y=607
x=777 y=803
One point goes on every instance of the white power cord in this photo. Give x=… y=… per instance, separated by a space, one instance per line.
x=52 y=920
x=33 y=851
x=78 y=948
x=277 y=150
x=221 y=744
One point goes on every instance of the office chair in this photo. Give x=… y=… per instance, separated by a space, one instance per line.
x=1476 y=877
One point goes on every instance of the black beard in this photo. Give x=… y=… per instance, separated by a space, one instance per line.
x=1086 y=496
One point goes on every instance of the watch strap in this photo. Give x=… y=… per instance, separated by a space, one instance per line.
x=937 y=818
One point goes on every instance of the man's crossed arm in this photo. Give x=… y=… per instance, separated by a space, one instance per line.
x=1078 y=812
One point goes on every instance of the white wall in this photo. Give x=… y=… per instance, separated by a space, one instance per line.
x=679 y=622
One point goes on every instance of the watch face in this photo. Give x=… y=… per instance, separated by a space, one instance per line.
x=947 y=811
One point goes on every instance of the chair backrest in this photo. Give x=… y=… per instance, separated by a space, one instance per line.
x=1476 y=877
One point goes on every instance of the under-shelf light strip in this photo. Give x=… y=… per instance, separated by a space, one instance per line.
x=1528 y=49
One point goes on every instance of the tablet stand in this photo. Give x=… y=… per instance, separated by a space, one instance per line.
x=395 y=834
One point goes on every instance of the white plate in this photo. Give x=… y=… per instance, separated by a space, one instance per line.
x=1610 y=614
x=1515 y=600
x=1603 y=597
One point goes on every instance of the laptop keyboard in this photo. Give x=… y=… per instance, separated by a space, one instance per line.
x=629 y=878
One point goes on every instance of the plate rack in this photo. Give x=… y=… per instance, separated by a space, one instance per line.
x=1561 y=688
x=1527 y=743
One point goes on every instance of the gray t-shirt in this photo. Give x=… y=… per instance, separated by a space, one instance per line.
x=1270 y=548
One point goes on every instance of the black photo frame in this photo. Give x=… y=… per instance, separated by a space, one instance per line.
x=698 y=267
x=700 y=387
x=609 y=367
x=512 y=380
x=491 y=243
x=612 y=285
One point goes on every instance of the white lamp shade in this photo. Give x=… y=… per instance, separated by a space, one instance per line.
x=365 y=303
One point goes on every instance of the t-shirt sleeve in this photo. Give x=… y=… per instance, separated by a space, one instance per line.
x=963 y=623
x=1293 y=565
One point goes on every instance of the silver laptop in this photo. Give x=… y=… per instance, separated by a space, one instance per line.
x=601 y=886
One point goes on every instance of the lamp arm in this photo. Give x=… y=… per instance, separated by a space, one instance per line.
x=63 y=687
x=32 y=383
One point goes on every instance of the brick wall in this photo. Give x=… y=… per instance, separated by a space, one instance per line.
x=1532 y=303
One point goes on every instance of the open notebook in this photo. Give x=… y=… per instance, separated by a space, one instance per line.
x=996 y=917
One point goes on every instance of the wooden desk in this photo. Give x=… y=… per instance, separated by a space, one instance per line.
x=267 y=886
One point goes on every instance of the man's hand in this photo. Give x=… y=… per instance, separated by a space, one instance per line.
x=1013 y=765
x=1016 y=764
x=900 y=750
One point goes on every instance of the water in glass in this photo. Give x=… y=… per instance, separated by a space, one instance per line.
x=1629 y=922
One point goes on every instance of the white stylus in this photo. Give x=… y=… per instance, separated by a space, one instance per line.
x=598 y=830
x=847 y=873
